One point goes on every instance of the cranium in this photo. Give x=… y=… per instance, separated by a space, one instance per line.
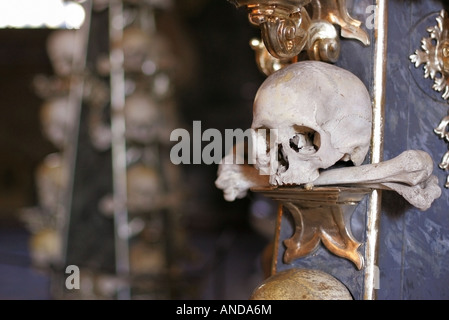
x=51 y=179
x=144 y=52
x=145 y=257
x=45 y=247
x=322 y=115
x=55 y=120
x=143 y=188
x=63 y=46
x=142 y=118
x=144 y=194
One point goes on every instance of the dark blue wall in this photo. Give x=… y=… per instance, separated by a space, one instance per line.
x=413 y=244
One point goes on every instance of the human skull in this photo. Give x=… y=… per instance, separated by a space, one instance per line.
x=63 y=46
x=56 y=120
x=146 y=258
x=143 y=188
x=51 y=180
x=316 y=114
x=142 y=118
x=45 y=247
x=145 y=53
x=301 y=284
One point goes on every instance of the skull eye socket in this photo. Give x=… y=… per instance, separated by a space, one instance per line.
x=305 y=140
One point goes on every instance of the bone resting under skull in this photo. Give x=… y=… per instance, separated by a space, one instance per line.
x=144 y=193
x=236 y=179
x=319 y=115
x=408 y=174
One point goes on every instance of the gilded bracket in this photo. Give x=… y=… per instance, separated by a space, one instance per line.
x=435 y=58
x=284 y=28
x=289 y=27
x=320 y=215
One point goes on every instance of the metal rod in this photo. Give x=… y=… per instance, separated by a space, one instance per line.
x=69 y=154
x=117 y=82
x=377 y=143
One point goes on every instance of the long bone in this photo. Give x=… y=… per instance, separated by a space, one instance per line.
x=421 y=195
x=236 y=179
x=409 y=174
x=410 y=167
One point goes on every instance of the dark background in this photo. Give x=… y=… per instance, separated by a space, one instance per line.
x=216 y=86
x=216 y=80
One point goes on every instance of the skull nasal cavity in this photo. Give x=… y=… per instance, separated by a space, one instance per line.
x=282 y=158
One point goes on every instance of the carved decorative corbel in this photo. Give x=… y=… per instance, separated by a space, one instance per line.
x=321 y=215
x=284 y=27
x=289 y=27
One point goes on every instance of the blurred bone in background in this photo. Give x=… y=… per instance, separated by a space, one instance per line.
x=183 y=61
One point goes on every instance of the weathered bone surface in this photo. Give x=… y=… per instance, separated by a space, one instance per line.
x=142 y=118
x=317 y=114
x=409 y=174
x=143 y=53
x=236 y=179
x=144 y=194
x=63 y=47
x=143 y=188
x=50 y=180
x=410 y=167
x=55 y=120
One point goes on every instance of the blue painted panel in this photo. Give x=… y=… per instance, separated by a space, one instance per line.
x=413 y=245
x=424 y=236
